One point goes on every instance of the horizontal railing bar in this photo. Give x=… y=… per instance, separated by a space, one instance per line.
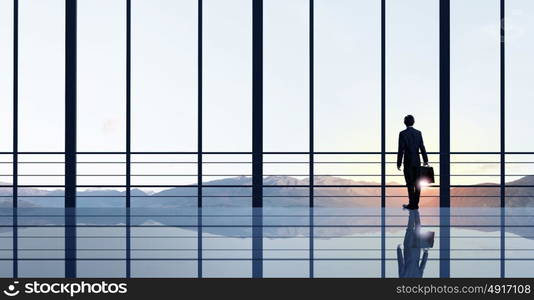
x=265 y=152
x=253 y=226
x=269 y=215
x=265 y=175
x=273 y=250
x=266 y=215
x=249 y=162
x=234 y=196
x=243 y=249
x=265 y=186
x=250 y=236
x=274 y=196
x=261 y=259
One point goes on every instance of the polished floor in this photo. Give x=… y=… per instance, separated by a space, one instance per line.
x=293 y=242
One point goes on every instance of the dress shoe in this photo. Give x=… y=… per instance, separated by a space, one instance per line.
x=409 y=206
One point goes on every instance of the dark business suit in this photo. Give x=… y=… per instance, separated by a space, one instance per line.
x=410 y=142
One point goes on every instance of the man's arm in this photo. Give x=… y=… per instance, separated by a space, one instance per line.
x=401 y=151
x=423 y=151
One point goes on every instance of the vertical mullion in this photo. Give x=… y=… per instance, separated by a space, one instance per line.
x=311 y=155
x=15 y=134
x=70 y=138
x=502 y=121
x=444 y=156
x=383 y=140
x=199 y=141
x=128 y=135
x=257 y=138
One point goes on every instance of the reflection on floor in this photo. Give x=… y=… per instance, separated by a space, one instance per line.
x=297 y=242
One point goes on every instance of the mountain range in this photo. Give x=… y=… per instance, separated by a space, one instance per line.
x=215 y=194
x=476 y=207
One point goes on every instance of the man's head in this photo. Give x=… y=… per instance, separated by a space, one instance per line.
x=409 y=120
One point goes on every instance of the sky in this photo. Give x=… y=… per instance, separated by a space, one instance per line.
x=346 y=66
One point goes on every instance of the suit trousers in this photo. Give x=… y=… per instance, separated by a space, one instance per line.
x=411 y=175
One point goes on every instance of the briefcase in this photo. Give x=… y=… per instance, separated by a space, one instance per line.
x=426 y=174
x=426 y=239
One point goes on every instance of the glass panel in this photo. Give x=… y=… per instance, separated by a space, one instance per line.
x=412 y=88
x=286 y=75
x=101 y=75
x=227 y=215
x=6 y=138
x=227 y=74
x=475 y=75
x=519 y=70
x=475 y=112
x=41 y=249
x=6 y=234
x=41 y=170
x=347 y=98
x=164 y=218
x=164 y=75
x=41 y=232
x=286 y=216
x=412 y=73
x=101 y=127
x=41 y=75
x=6 y=76
x=347 y=75
x=519 y=194
x=475 y=169
x=519 y=168
x=519 y=237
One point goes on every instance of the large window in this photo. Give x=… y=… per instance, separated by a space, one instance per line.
x=167 y=149
x=286 y=176
x=519 y=162
x=101 y=128
x=41 y=127
x=347 y=107
x=475 y=134
x=164 y=119
x=412 y=88
x=6 y=138
x=226 y=111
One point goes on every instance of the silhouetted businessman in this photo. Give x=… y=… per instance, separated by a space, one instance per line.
x=409 y=265
x=410 y=142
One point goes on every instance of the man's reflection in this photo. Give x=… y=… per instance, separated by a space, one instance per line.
x=414 y=242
